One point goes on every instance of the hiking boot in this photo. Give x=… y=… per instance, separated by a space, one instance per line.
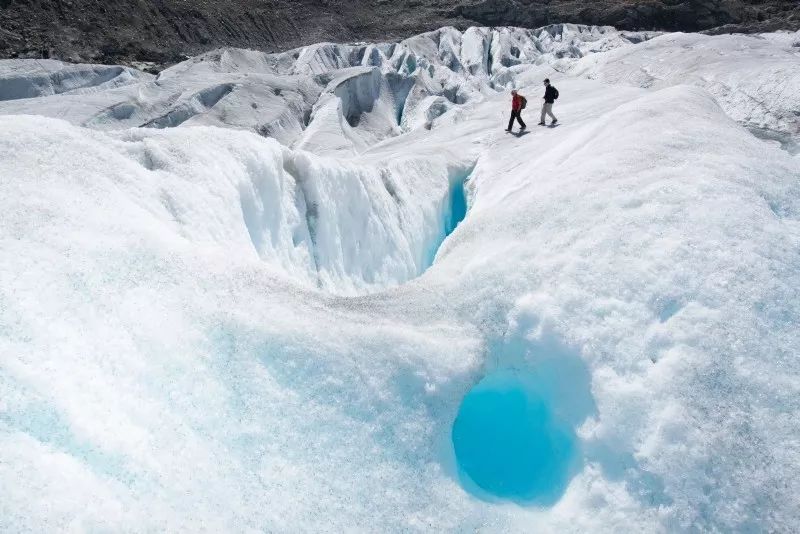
x=542 y=124
x=554 y=121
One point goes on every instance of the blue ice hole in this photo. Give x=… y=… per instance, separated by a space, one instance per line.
x=510 y=443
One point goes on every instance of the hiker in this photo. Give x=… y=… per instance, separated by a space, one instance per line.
x=518 y=103
x=550 y=96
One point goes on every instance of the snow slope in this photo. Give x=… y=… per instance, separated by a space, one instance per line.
x=766 y=99
x=205 y=330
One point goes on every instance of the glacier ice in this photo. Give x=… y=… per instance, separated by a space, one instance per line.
x=508 y=442
x=767 y=98
x=304 y=292
x=23 y=79
x=276 y=94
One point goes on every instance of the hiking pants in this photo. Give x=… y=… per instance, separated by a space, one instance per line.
x=547 y=109
x=515 y=115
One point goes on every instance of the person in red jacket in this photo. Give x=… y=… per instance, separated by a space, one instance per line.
x=517 y=103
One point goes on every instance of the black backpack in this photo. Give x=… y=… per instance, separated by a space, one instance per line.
x=523 y=103
x=555 y=93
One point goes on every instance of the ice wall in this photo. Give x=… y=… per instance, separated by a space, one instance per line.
x=345 y=228
x=32 y=78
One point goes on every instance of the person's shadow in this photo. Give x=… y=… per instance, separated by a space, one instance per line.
x=520 y=134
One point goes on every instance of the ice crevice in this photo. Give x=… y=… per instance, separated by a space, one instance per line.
x=195 y=104
x=343 y=227
x=454 y=210
x=349 y=228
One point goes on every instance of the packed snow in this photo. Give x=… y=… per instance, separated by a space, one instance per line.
x=323 y=291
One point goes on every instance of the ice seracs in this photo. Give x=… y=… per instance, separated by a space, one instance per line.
x=277 y=95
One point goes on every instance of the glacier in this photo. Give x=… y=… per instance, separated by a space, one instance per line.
x=323 y=291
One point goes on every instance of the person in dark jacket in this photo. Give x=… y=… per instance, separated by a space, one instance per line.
x=516 y=110
x=550 y=95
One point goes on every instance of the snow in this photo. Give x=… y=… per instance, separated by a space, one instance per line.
x=304 y=315
x=766 y=99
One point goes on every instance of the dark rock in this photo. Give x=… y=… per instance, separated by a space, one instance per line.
x=162 y=32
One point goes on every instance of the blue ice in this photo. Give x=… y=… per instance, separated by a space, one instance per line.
x=458 y=208
x=508 y=442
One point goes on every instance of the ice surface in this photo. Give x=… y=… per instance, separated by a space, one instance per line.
x=767 y=98
x=203 y=329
